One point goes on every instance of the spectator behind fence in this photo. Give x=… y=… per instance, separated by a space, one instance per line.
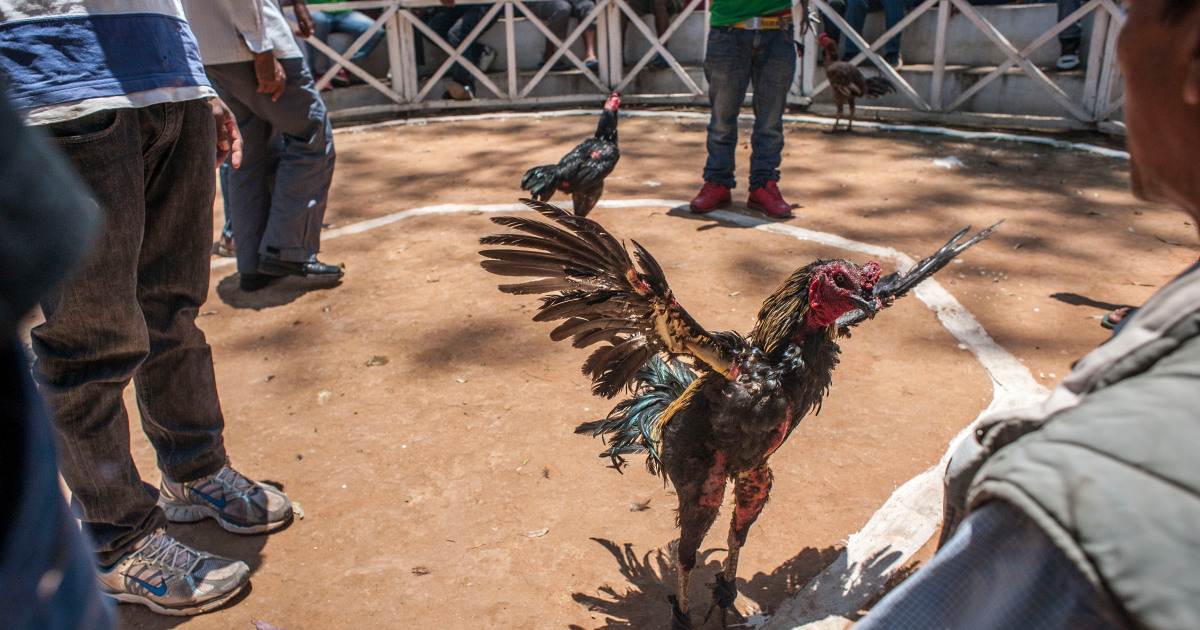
x=453 y=23
x=47 y=571
x=556 y=14
x=138 y=128
x=856 y=17
x=661 y=10
x=277 y=198
x=580 y=9
x=1070 y=37
x=747 y=40
x=1083 y=512
x=352 y=23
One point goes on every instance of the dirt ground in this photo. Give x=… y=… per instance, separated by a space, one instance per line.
x=424 y=423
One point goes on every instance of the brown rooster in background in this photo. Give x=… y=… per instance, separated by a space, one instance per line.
x=721 y=417
x=847 y=83
x=582 y=171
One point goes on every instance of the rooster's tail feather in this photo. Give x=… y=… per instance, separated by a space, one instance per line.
x=542 y=181
x=878 y=86
x=634 y=425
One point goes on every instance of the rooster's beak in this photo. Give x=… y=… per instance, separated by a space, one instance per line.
x=868 y=306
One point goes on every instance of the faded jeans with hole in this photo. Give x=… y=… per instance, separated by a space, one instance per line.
x=736 y=58
x=128 y=312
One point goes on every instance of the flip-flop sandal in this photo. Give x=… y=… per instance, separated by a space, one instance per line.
x=1107 y=321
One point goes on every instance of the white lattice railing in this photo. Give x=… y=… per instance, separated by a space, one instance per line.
x=1092 y=107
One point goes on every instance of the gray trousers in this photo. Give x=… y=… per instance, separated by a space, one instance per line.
x=277 y=198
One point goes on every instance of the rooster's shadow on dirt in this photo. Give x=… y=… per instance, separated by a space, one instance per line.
x=652 y=577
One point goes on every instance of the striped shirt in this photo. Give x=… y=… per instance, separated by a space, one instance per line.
x=232 y=31
x=65 y=59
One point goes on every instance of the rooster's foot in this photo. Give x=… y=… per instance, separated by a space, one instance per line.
x=679 y=619
x=724 y=593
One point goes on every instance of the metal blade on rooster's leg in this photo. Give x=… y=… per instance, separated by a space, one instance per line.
x=895 y=285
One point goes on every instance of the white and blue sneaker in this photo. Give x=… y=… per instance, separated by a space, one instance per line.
x=173 y=579
x=238 y=504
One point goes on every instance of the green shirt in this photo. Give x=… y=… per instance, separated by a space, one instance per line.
x=327 y=2
x=726 y=12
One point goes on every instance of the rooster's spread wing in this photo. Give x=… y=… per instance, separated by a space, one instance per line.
x=592 y=284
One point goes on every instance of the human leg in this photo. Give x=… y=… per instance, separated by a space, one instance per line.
x=893 y=12
x=322 y=27
x=354 y=24
x=249 y=186
x=129 y=313
x=727 y=69
x=94 y=338
x=856 y=17
x=556 y=14
x=1070 y=37
x=292 y=233
x=773 y=68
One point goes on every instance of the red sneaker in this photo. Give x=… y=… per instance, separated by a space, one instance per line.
x=768 y=201
x=711 y=197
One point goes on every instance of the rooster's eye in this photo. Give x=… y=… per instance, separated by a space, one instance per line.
x=840 y=280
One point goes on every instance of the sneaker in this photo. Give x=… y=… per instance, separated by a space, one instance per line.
x=487 y=58
x=224 y=246
x=173 y=579
x=768 y=201
x=1067 y=62
x=460 y=92
x=238 y=504
x=711 y=197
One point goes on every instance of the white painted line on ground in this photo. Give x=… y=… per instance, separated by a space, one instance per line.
x=910 y=516
x=961 y=134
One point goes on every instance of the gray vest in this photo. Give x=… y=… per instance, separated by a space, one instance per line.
x=1109 y=465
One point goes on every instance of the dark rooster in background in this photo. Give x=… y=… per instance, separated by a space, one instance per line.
x=582 y=171
x=847 y=83
x=721 y=417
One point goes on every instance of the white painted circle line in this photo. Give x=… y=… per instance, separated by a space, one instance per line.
x=909 y=517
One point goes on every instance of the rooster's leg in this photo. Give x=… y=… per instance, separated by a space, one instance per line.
x=838 y=118
x=850 y=121
x=750 y=491
x=698 y=507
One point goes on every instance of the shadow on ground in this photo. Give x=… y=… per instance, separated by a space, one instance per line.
x=652 y=577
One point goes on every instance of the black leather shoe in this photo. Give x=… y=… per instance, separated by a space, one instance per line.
x=305 y=269
x=250 y=282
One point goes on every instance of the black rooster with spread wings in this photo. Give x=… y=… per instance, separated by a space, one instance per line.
x=721 y=417
x=582 y=171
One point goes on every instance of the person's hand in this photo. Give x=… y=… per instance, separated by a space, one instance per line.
x=304 y=19
x=271 y=78
x=229 y=139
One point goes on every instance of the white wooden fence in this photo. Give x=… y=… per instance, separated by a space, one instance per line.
x=1096 y=107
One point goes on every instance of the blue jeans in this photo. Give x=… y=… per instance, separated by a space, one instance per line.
x=352 y=23
x=283 y=220
x=734 y=59
x=128 y=312
x=856 y=16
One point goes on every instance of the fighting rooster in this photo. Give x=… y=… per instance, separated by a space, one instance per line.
x=582 y=171
x=721 y=417
x=847 y=83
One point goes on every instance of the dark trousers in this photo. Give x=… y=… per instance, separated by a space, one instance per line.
x=129 y=313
